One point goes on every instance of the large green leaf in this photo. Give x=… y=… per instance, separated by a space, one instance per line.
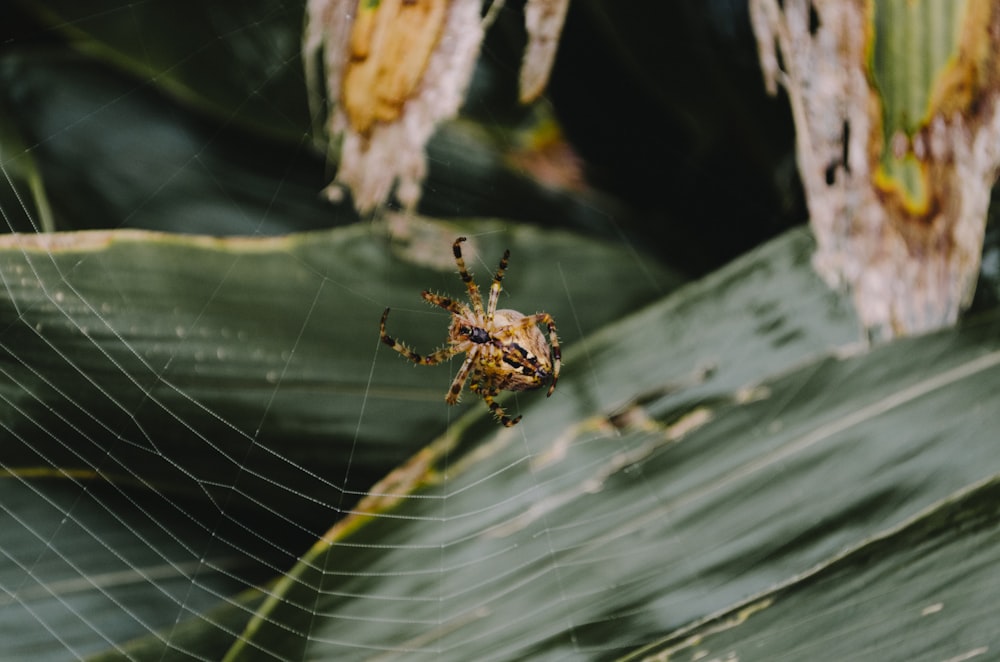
x=239 y=385
x=488 y=531
x=667 y=499
x=731 y=478
x=924 y=590
x=86 y=564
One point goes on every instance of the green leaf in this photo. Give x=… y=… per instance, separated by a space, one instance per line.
x=87 y=564
x=240 y=384
x=923 y=590
x=842 y=493
x=669 y=484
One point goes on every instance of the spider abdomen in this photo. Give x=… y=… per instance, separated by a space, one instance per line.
x=522 y=355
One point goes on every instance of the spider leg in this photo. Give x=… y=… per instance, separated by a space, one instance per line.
x=431 y=359
x=496 y=286
x=487 y=394
x=546 y=319
x=474 y=297
x=455 y=391
x=449 y=304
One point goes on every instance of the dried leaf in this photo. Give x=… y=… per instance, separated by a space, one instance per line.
x=897 y=190
x=544 y=21
x=391 y=43
x=407 y=68
x=396 y=69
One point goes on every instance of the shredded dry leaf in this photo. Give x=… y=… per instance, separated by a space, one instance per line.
x=544 y=21
x=911 y=263
x=392 y=70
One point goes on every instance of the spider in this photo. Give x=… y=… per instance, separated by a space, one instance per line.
x=504 y=350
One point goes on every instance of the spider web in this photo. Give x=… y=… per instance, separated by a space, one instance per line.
x=206 y=449
x=140 y=500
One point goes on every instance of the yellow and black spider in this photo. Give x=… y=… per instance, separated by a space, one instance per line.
x=505 y=350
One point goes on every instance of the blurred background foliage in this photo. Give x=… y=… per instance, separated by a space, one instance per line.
x=621 y=143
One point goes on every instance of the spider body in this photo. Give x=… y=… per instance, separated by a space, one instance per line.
x=504 y=349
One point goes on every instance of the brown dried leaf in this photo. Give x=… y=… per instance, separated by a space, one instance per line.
x=390 y=46
x=398 y=68
x=544 y=21
x=405 y=68
x=911 y=267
